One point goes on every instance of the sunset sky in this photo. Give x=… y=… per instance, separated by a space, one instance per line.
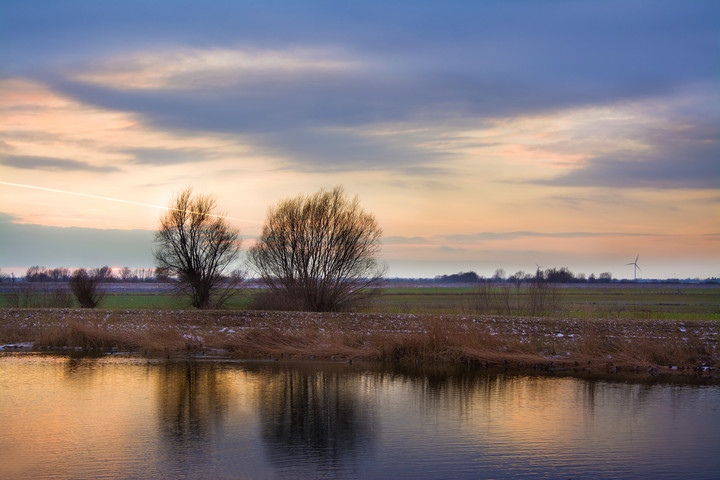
x=482 y=135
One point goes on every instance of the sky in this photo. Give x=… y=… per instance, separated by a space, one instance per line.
x=482 y=135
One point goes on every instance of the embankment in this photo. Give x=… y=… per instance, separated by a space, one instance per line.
x=582 y=346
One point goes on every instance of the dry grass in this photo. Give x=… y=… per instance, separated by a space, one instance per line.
x=526 y=342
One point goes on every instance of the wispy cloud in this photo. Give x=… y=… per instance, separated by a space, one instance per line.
x=167 y=156
x=194 y=69
x=679 y=153
x=400 y=240
x=35 y=120
x=53 y=164
x=480 y=237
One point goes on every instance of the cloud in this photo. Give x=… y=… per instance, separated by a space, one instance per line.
x=400 y=240
x=664 y=142
x=480 y=237
x=686 y=157
x=679 y=171
x=490 y=236
x=454 y=113
x=27 y=244
x=166 y=156
x=323 y=71
x=330 y=122
x=54 y=164
x=450 y=250
x=209 y=69
x=309 y=83
x=316 y=150
x=638 y=41
x=37 y=121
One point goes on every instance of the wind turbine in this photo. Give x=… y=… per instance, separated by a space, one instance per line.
x=636 y=266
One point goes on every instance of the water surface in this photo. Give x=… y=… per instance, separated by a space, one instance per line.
x=119 y=417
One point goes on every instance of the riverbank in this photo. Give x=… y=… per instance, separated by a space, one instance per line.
x=641 y=346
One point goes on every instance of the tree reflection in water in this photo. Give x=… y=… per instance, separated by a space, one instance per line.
x=319 y=419
x=192 y=403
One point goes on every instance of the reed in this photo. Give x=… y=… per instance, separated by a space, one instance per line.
x=511 y=341
x=538 y=298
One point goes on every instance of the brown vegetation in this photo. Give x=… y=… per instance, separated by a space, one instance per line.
x=520 y=342
x=538 y=298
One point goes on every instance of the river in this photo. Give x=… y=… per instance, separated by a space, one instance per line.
x=126 y=417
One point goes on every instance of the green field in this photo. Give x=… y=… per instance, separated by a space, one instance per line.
x=581 y=302
x=616 y=301
x=163 y=301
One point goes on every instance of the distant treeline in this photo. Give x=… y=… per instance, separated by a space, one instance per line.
x=548 y=275
x=37 y=274
x=462 y=277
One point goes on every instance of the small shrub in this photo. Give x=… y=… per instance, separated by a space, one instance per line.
x=86 y=288
x=543 y=297
x=537 y=299
x=269 y=300
x=32 y=295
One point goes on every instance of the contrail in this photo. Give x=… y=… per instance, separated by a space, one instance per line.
x=118 y=200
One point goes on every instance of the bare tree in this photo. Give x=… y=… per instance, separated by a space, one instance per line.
x=86 y=287
x=605 y=277
x=319 y=253
x=103 y=274
x=161 y=274
x=196 y=246
x=126 y=275
x=499 y=275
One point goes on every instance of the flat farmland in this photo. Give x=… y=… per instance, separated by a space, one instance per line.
x=630 y=301
x=638 y=330
x=623 y=301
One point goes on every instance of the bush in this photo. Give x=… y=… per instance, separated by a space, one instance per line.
x=86 y=288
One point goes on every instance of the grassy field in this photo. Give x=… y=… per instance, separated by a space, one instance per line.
x=166 y=301
x=663 y=302
x=617 y=301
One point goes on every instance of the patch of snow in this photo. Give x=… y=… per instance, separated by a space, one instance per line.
x=15 y=346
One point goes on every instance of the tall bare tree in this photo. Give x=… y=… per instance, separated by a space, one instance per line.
x=197 y=246
x=319 y=253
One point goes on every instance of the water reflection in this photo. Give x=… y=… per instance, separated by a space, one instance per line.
x=316 y=419
x=192 y=401
x=135 y=418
